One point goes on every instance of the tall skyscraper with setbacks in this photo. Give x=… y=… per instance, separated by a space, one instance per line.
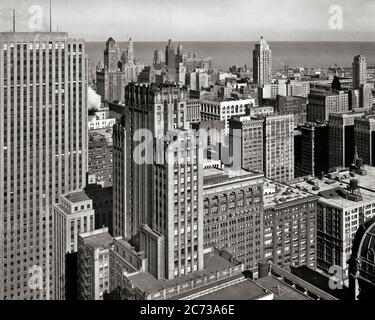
x=359 y=71
x=262 y=63
x=43 y=142
x=158 y=190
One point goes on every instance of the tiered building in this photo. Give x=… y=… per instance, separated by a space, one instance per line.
x=262 y=63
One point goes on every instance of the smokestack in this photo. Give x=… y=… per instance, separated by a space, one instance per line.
x=14 y=20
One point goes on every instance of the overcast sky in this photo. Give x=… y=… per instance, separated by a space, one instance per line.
x=200 y=20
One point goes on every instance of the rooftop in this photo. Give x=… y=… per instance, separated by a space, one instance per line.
x=280 y=290
x=335 y=193
x=366 y=181
x=146 y=282
x=75 y=197
x=213 y=175
x=244 y=290
x=98 y=238
x=278 y=193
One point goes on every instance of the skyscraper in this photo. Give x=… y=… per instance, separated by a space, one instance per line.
x=180 y=54
x=43 y=138
x=249 y=134
x=158 y=198
x=170 y=57
x=323 y=103
x=158 y=59
x=364 y=138
x=73 y=215
x=359 y=71
x=262 y=63
x=153 y=108
x=314 y=149
x=341 y=147
x=111 y=55
x=278 y=147
x=118 y=71
x=128 y=54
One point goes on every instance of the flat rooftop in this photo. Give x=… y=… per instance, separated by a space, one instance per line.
x=320 y=281
x=275 y=193
x=332 y=192
x=146 y=282
x=76 y=197
x=244 y=290
x=280 y=290
x=229 y=172
x=98 y=240
x=105 y=132
x=367 y=181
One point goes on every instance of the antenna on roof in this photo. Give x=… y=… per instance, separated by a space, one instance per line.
x=14 y=20
x=50 y=15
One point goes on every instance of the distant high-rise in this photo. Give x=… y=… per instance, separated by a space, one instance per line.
x=365 y=97
x=262 y=63
x=118 y=71
x=359 y=71
x=170 y=57
x=341 y=139
x=180 y=54
x=158 y=59
x=128 y=54
x=314 y=149
x=111 y=55
x=323 y=103
x=43 y=143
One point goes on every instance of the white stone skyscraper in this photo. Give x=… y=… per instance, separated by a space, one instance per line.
x=128 y=54
x=43 y=142
x=262 y=63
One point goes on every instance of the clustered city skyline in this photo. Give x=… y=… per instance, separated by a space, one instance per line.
x=175 y=180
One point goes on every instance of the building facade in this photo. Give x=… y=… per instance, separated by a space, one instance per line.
x=43 y=138
x=93 y=264
x=74 y=215
x=262 y=63
x=233 y=214
x=314 y=149
x=341 y=146
x=289 y=225
x=193 y=110
x=100 y=162
x=278 y=147
x=322 y=104
x=247 y=132
x=359 y=71
x=118 y=70
x=223 y=110
x=364 y=138
x=342 y=207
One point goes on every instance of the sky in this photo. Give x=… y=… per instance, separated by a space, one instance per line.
x=199 y=20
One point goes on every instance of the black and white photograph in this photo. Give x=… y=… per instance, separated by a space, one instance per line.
x=204 y=151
